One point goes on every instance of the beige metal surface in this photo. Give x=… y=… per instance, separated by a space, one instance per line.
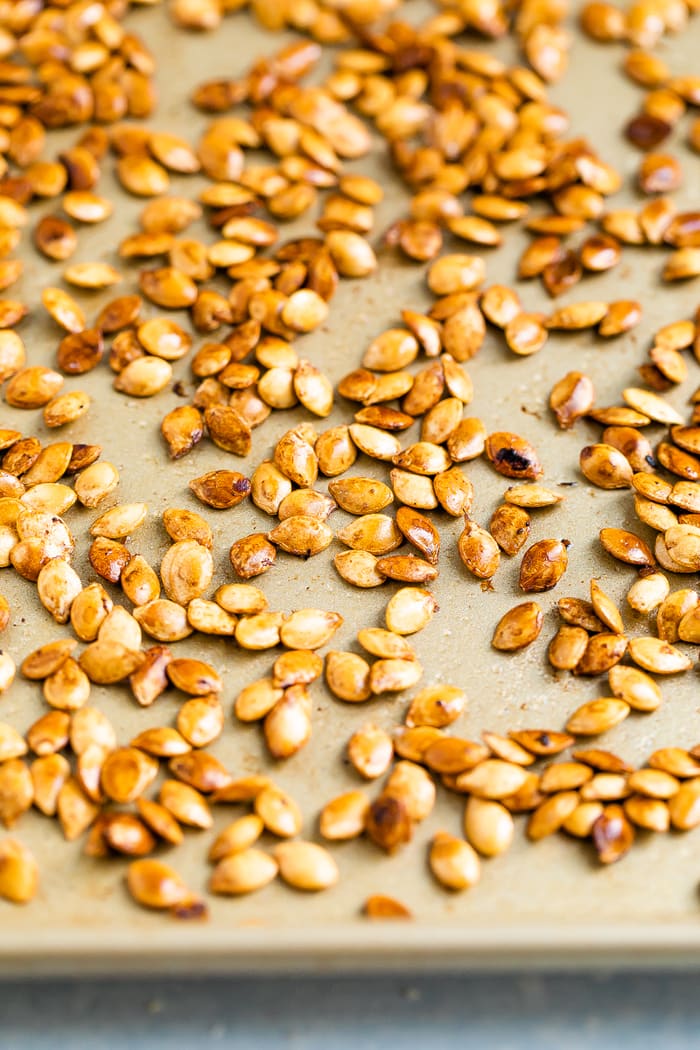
x=550 y=901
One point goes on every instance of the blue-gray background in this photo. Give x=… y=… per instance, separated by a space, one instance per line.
x=532 y=1012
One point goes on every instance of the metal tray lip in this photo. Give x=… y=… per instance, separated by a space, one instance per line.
x=347 y=947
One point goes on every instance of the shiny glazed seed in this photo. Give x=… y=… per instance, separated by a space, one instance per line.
x=155 y=884
x=518 y=627
x=626 y=547
x=612 y=834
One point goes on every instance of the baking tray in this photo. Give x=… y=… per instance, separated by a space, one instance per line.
x=549 y=903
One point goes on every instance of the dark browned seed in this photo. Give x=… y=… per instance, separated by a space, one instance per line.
x=602 y=652
x=388 y=823
x=513 y=456
x=543 y=565
x=612 y=834
x=646 y=132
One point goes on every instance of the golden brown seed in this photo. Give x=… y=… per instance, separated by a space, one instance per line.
x=648 y=813
x=193 y=676
x=108 y=662
x=243 y=872
x=377 y=534
x=144 y=377
x=564 y=776
x=306 y=865
x=335 y=451
x=580 y=822
x=518 y=627
x=94 y=483
x=154 y=884
x=510 y=527
x=453 y=862
x=672 y=611
x=542 y=741
x=161 y=742
x=252 y=555
x=413 y=787
x=488 y=826
x=543 y=565
x=602 y=652
x=626 y=547
x=436 y=705
x=185 y=803
x=551 y=814
x=479 y=551
x=658 y=656
x=526 y=334
x=344 y=817
x=613 y=835
x=370 y=751
x=621 y=316
x=301 y=535
x=309 y=628
x=256 y=700
x=236 y=837
x=33 y=387
x=241 y=598
x=651 y=405
x=260 y=631
x=634 y=687
x=278 y=811
x=125 y=833
x=597 y=716
x=76 y=812
x=493 y=779
x=182 y=429
x=348 y=676
x=360 y=495
x=19 y=872
x=287 y=727
x=127 y=773
x=571 y=398
x=605 y=466
x=567 y=647
x=605 y=609
x=221 y=489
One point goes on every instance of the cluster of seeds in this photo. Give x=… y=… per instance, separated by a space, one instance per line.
x=455 y=121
